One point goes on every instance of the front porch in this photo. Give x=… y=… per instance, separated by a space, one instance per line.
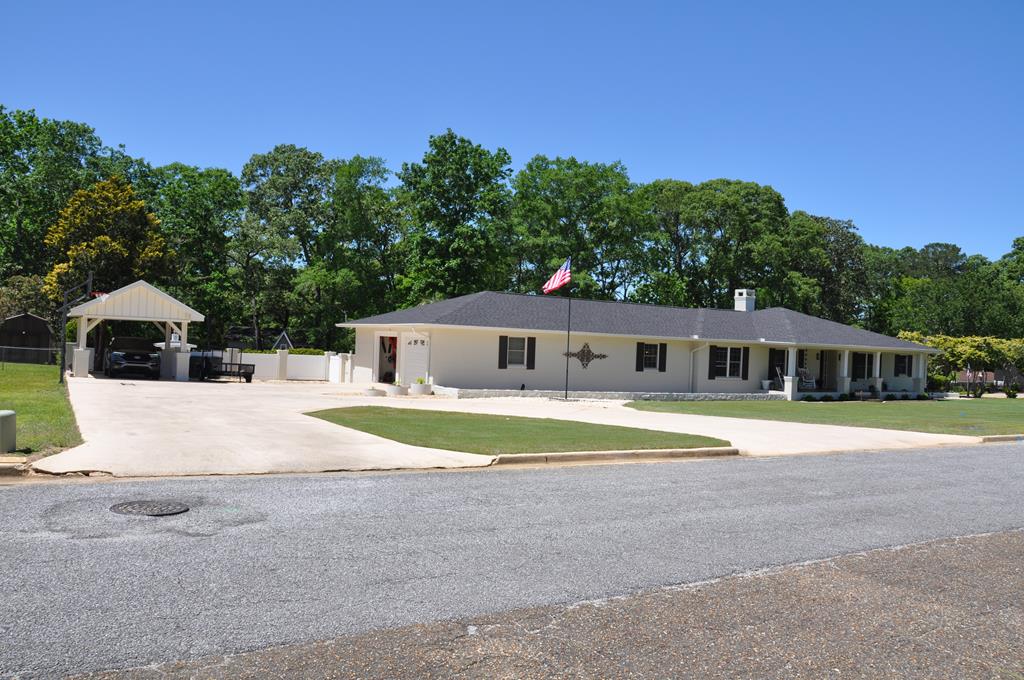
x=796 y=372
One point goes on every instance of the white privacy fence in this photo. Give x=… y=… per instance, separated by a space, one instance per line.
x=285 y=366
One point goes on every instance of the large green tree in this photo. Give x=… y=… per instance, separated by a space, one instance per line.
x=42 y=163
x=587 y=211
x=107 y=230
x=198 y=209
x=458 y=199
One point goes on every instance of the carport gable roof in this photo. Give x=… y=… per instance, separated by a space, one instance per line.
x=775 y=325
x=139 y=301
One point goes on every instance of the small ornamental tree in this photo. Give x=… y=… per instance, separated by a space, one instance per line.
x=978 y=353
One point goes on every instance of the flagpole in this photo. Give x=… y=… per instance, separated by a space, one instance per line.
x=568 y=331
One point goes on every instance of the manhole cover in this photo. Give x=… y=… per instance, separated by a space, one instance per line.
x=150 y=508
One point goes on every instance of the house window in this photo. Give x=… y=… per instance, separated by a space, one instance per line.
x=728 y=362
x=650 y=356
x=863 y=365
x=904 y=365
x=516 y=351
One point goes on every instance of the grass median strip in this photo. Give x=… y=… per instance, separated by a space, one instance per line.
x=46 y=423
x=974 y=417
x=494 y=435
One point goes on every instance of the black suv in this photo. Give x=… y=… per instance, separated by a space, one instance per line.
x=132 y=355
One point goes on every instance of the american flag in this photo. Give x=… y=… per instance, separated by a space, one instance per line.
x=559 y=278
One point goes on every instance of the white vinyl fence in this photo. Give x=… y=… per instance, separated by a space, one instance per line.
x=285 y=366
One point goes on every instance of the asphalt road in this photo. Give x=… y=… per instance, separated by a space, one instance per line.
x=950 y=608
x=263 y=561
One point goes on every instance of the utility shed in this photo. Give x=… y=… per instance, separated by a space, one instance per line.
x=26 y=338
x=139 y=301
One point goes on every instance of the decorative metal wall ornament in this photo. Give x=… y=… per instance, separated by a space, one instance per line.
x=585 y=355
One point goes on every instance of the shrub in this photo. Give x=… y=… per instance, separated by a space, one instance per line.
x=808 y=397
x=904 y=397
x=923 y=397
x=827 y=397
x=844 y=397
x=293 y=350
x=890 y=397
x=1011 y=393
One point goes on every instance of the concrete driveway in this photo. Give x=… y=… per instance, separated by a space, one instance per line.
x=144 y=428
x=138 y=428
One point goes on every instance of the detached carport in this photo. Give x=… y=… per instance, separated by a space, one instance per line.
x=139 y=301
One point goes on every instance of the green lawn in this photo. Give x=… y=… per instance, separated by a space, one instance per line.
x=493 y=435
x=46 y=423
x=955 y=416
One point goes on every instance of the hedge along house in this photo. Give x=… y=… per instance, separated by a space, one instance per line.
x=503 y=342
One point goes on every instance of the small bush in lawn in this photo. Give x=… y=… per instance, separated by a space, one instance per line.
x=923 y=397
x=890 y=397
x=827 y=397
x=844 y=397
x=808 y=397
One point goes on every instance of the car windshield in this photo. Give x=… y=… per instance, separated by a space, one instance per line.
x=133 y=344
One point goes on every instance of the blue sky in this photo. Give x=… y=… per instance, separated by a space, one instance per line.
x=907 y=117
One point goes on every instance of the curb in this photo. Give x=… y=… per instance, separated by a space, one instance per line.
x=10 y=469
x=994 y=438
x=597 y=456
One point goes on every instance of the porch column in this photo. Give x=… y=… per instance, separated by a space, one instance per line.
x=920 y=380
x=844 y=372
x=181 y=360
x=876 y=372
x=790 y=382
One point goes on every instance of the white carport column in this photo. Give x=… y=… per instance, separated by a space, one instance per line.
x=80 y=360
x=844 y=372
x=181 y=360
x=168 y=356
x=790 y=382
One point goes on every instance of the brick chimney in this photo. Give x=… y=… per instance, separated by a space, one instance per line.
x=745 y=300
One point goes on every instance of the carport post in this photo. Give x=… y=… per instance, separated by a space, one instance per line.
x=83 y=332
x=181 y=360
x=167 y=334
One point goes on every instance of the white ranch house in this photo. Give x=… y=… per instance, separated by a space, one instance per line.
x=500 y=343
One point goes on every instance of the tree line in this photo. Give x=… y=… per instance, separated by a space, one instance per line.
x=299 y=241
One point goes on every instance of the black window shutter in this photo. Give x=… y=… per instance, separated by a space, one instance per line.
x=639 y=356
x=531 y=353
x=662 y=354
x=910 y=365
x=746 y=363
x=712 y=355
x=502 y=351
x=801 y=358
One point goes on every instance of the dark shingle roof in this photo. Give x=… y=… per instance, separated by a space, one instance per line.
x=543 y=313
